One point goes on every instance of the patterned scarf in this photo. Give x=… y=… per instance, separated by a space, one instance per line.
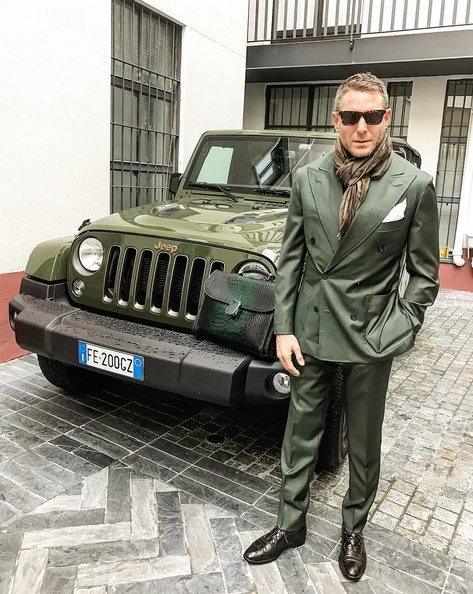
x=356 y=175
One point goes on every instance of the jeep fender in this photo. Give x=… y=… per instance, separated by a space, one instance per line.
x=48 y=260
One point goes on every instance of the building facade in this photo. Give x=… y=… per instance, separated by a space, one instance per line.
x=100 y=101
x=299 y=51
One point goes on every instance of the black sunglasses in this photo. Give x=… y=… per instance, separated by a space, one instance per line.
x=350 y=118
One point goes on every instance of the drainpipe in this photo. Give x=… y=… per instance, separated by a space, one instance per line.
x=465 y=212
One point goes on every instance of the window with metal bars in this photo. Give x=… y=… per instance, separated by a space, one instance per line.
x=146 y=50
x=453 y=141
x=309 y=107
x=300 y=107
x=400 y=102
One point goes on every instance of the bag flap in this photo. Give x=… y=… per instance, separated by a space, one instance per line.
x=254 y=294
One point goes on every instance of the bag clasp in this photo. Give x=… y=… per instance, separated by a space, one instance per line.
x=233 y=307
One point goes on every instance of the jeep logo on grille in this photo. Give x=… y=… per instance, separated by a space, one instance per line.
x=167 y=247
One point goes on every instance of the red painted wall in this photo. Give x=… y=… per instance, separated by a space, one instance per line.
x=9 y=287
x=459 y=278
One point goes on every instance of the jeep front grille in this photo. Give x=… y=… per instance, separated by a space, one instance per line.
x=125 y=279
x=159 y=282
x=111 y=273
x=143 y=278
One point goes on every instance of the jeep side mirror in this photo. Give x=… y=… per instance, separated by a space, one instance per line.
x=174 y=182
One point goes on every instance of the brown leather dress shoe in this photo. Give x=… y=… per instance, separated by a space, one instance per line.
x=268 y=547
x=352 y=557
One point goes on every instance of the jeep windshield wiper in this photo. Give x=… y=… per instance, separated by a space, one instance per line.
x=207 y=186
x=273 y=191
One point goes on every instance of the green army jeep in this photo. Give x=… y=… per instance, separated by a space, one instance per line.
x=119 y=299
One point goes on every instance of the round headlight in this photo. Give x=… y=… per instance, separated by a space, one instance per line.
x=255 y=270
x=91 y=254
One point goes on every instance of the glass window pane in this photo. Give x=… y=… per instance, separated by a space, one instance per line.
x=455 y=122
x=216 y=165
x=399 y=101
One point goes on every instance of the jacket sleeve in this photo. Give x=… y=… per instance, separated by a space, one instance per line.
x=290 y=264
x=422 y=257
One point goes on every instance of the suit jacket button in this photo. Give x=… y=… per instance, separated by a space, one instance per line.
x=312 y=240
x=316 y=309
x=354 y=317
x=325 y=276
x=380 y=249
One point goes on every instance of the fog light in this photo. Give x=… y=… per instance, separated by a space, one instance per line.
x=282 y=382
x=78 y=287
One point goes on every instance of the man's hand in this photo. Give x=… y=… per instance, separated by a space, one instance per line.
x=286 y=344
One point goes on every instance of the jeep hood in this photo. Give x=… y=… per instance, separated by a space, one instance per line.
x=243 y=225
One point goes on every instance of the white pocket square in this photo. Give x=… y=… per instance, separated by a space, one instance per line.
x=396 y=213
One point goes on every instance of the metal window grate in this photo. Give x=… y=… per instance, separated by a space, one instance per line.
x=400 y=102
x=322 y=107
x=287 y=106
x=146 y=49
x=453 y=140
x=300 y=107
x=309 y=107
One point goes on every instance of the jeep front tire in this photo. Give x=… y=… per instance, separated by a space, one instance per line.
x=68 y=377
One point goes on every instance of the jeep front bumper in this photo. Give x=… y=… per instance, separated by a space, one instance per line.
x=46 y=323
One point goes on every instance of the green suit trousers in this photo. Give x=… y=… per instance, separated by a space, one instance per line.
x=365 y=395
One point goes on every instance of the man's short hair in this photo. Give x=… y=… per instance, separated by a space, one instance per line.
x=361 y=81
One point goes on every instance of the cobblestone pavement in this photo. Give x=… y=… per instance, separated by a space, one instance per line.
x=122 y=491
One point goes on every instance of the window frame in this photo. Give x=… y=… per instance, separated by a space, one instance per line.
x=145 y=83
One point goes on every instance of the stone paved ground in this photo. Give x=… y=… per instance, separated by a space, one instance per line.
x=120 y=490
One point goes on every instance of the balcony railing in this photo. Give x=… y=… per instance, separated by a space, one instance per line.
x=290 y=20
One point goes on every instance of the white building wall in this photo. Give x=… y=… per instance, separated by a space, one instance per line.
x=425 y=121
x=55 y=106
x=255 y=106
x=55 y=121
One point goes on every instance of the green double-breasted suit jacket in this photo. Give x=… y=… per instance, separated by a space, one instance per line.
x=344 y=304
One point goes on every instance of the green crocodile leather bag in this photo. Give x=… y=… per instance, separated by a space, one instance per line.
x=238 y=311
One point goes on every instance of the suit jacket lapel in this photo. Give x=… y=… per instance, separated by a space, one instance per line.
x=327 y=192
x=382 y=195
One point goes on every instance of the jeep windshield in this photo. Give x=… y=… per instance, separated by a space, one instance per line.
x=253 y=164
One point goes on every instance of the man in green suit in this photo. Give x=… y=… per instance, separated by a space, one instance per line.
x=353 y=215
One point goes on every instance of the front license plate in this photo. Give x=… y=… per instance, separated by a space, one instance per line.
x=125 y=364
